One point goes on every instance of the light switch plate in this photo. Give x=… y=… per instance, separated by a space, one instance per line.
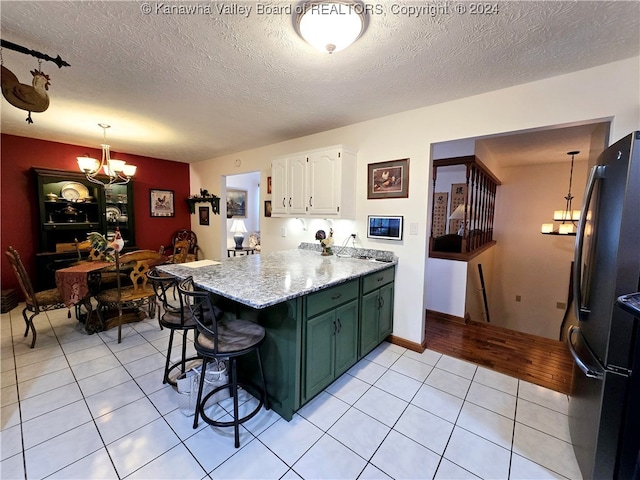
x=283 y=232
x=413 y=228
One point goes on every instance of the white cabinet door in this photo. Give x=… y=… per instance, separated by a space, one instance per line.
x=324 y=182
x=297 y=184
x=318 y=183
x=280 y=192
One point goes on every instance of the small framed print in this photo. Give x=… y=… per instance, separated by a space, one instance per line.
x=161 y=202
x=267 y=208
x=203 y=215
x=268 y=184
x=388 y=179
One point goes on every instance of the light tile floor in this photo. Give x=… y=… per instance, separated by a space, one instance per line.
x=83 y=406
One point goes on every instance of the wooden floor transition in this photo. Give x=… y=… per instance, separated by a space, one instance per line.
x=535 y=359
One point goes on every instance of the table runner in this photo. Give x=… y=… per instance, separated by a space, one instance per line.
x=72 y=281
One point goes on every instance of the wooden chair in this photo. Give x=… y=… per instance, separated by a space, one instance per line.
x=36 y=302
x=177 y=240
x=136 y=295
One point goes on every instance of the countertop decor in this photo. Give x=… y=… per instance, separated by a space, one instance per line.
x=271 y=278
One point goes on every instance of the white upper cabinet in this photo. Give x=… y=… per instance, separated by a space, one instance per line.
x=317 y=183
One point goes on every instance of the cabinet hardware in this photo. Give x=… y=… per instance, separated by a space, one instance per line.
x=339 y=325
x=336 y=297
x=311 y=201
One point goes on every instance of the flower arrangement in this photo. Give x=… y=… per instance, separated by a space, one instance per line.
x=325 y=242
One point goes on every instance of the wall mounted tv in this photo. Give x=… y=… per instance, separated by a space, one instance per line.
x=385 y=227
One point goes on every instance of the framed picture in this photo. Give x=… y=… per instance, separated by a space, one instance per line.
x=386 y=228
x=236 y=203
x=268 y=184
x=203 y=215
x=388 y=179
x=267 y=208
x=161 y=202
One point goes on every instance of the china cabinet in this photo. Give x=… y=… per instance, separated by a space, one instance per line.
x=69 y=207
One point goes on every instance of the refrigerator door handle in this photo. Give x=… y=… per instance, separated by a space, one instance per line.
x=588 y=372
x=597 y=172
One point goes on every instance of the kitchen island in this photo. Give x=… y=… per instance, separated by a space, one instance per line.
x=321 y=313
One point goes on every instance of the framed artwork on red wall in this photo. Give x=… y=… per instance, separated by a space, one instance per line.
x=161 y=202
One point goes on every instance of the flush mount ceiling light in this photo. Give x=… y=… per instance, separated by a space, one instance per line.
x=331 y=26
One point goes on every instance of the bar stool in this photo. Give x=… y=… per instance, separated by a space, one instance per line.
x=218 y=337
x=176 y=317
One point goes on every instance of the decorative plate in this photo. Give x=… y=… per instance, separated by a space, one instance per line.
x=73 y=191
x=113 y=213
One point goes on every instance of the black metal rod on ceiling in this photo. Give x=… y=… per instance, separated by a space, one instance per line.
x=19 y=48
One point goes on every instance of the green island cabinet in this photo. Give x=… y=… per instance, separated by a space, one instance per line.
x=376 y=309
x=330 y=336
x=313 y=339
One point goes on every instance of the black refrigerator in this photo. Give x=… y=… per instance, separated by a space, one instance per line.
x=604 y=405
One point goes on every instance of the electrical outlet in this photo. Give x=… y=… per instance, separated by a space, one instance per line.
x=518 y=298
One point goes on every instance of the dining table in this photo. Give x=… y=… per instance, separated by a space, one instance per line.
x=78 y=283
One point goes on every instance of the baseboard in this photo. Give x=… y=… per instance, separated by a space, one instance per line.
x=447 y=317
x=401 y=342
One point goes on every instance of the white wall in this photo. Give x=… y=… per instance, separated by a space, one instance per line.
x=601 y=92
x=534 y=266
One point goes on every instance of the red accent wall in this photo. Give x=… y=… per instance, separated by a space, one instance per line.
x=19 y=218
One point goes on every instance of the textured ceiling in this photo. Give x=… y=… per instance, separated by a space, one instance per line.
x=190 y=87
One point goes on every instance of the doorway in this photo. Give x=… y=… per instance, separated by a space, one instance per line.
x=242 y=206
x=528 y=273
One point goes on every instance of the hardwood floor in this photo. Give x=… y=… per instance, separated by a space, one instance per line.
x=535 y=359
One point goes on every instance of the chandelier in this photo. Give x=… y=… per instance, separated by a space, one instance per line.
x=568 y=217
x=117 y=171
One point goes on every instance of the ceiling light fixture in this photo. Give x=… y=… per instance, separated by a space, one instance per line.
x=331 y=26
x=117 y=171
x=568 y=216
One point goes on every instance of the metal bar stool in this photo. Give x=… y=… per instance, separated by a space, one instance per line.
x=176 y=317
x=219 y=337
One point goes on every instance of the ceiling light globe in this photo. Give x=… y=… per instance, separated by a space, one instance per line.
x=88 y=164
x=331 y=26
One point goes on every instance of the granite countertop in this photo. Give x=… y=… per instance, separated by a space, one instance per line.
x=265 y=279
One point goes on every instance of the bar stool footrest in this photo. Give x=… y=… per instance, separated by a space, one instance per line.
x=172 y=382
x=232 y=423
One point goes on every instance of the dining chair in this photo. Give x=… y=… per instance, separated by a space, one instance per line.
x=35 y=302
x=220 y=336
x=183 y=235
x=136 y=295
x=176 y=317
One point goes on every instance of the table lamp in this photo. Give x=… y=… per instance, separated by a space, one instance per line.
x=238 y=228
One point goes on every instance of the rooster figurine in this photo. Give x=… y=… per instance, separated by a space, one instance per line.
x=32 y=98
x=109 y=248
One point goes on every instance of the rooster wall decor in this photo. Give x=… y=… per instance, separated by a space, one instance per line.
x=33 y=98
